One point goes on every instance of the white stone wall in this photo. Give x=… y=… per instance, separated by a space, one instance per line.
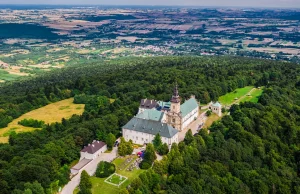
x=142 y=138
x=93 y=156
x=217 y=110
x=190 y=118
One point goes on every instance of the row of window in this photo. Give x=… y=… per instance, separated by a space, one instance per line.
x=190 y=116
x=146 y=140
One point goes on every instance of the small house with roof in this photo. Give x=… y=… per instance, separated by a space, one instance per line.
x=93 y=150
x=88 y=154
x=216 y=108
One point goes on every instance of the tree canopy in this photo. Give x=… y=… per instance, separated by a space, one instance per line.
x=254 y=149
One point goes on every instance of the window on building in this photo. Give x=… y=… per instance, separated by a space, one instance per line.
x=142 y=139
x=137 y=138
x=173 y=120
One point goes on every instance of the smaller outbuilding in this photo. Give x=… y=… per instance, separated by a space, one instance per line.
x=216 y=108
x=93 y=150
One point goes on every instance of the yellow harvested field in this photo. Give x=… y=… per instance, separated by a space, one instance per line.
x=128 y=38
x=50 y=114
x=55 y=50
x=65 y=58
x=41 y=66
x=83 y=51
x=115 y=51
x=16 y=70
x=292 y=51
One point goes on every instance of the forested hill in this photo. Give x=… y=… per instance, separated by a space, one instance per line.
x=255 y=150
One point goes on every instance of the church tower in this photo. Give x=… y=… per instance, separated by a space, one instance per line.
x=175 y=101
x=174 y=114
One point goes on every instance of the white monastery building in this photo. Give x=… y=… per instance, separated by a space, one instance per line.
x=165 y=118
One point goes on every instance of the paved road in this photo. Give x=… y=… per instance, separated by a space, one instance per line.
x=91 y=169
x=193 y=126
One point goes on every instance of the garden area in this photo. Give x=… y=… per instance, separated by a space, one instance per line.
x=116 y=180
x=126 y=167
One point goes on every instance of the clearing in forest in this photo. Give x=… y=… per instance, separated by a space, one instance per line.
x=49 y=114
x=231 y=97
x=253 y=95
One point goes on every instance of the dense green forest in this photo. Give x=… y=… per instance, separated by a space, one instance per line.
x=254 y=150
x=12 y=30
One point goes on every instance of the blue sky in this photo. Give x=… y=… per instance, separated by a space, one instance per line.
x=246 y=3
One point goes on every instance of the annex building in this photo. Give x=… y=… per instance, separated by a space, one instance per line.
x=88 y=154
x=165 y=118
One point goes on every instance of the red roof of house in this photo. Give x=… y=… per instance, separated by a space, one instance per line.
x=94 y=147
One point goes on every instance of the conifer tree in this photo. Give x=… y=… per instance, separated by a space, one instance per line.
x=157 y=142
x=85 y=184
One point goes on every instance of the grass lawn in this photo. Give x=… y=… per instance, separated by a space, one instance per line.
x=212 y=118
x=254 y=96
x=5 y=76
x=100 y=187
x=238 y=93
x=51 y=113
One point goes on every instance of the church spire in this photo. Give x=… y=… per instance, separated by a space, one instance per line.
x=175 y=97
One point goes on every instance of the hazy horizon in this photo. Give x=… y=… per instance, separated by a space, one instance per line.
x=211 y=3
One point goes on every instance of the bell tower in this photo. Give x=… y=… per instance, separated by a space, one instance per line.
x=175 y=101
x=174 y=117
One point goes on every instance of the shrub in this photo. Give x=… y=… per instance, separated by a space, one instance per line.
x=163 y=149
x=105 y=169
x=208 y=113
x=32 y=123
x=223 y=110
x=145 y=165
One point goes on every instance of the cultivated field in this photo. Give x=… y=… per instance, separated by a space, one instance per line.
x=5 y=76
x=51 y=113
